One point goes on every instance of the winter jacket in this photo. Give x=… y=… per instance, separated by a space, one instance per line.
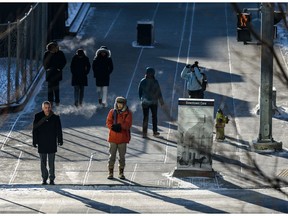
x=47 y=132
x=80 y=67
x=149 y=91
x=124 y=118
x=102 y=67
x=192 y=83
x=53 y=64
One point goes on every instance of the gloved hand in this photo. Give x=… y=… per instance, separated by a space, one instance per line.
x=116 y=127
x=60 y=144
x=34 y=145
x=188 y=66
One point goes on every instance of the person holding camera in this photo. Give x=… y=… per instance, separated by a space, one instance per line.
x=191 y=73
x=119 y=122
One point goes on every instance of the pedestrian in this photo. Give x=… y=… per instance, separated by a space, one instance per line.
x=221 y=121
x=191 y=73
x=47 y=134
x=149 y=95
x=102 y=67
x=54 y=61
x=80 y=67
x=119 y=122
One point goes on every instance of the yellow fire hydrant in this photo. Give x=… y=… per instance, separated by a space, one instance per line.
x=221 y=121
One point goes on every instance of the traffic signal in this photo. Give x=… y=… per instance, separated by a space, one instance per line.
x=243 y=20
x=243 y=33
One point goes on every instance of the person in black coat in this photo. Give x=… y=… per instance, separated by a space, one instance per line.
x=54 y=61
x=102 y=67
x=47 y=134
x=150 y=94
x=80 y=67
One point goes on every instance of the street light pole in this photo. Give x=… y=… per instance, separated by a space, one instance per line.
x=265 y=140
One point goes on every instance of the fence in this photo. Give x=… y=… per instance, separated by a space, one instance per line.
x=22 y=45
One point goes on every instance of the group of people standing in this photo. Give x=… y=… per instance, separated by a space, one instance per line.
x=47 y=129
x=54 y=61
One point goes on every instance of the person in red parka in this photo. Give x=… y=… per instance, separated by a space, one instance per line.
x=119 y=122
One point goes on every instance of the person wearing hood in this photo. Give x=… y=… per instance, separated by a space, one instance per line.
x=47 y=134
x=149 y=95
x=54 y=61
x=102 y=67
x=80 y=67
x=119 y=122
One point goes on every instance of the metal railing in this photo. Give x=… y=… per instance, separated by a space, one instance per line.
x=22 y=45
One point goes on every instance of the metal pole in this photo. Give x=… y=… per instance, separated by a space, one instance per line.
x=265 y=140
x=17 y=61
x=265 y=133
x=31 y=43
x=44 y=26
x=9 y=64
x=25 y=55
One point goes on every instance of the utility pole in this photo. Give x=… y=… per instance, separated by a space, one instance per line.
x=265 y=140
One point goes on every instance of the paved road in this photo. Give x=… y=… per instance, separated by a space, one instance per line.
x=92 y=200
x=183 y=33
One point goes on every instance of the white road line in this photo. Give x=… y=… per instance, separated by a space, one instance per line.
x=88 y=169
x=178 y=59
x=112 y=24
x=139 y=57
x=230 y=71
x=133 y=174
x=9 y=134
x=189 y=45
x=134 y=72
x=15 y=170
x=176 y=73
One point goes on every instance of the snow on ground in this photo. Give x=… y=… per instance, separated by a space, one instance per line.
x=73 y=8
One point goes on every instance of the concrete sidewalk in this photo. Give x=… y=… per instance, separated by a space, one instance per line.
x=82 y=160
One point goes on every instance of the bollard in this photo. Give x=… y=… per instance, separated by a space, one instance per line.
x=145 y=33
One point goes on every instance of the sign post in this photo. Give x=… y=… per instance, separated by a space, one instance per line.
x=195 y=137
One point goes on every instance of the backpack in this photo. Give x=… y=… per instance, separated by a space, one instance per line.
x=204 y=81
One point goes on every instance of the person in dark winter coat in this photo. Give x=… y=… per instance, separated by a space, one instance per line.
x=102 y=68
x=150 y=94
x=80 y=67
x=54 y=61
x=47 y=134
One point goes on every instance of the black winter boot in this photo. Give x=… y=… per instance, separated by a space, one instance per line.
x=121 y=173
x=110 y=175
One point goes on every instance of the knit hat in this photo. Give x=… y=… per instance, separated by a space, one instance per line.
x=121 y=99
x=150 y=71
